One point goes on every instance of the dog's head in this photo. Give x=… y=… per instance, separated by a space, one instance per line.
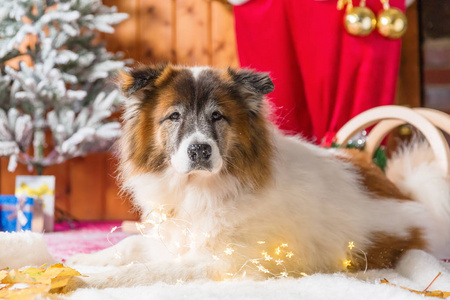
x=195 y=120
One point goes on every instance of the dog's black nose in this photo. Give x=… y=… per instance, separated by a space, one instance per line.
x=199 y=152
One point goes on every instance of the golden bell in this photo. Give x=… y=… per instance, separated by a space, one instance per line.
x=392 y=23
x=359 y=21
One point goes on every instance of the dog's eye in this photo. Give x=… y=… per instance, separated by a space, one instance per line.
x=175 y=116
x=216 y=116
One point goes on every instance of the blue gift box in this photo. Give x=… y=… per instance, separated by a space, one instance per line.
x=15 y=213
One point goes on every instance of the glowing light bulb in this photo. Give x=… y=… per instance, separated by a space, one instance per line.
x=279 y=262
x=261 y=242
x=289 y=254
x=229 y=251
x=284 y=274
x=284 y=245
x=151 y=222
x=277 y=251
x=347 y=262
x=138 y=226
x=262 y=269
x=351 y=245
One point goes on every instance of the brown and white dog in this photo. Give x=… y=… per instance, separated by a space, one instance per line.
x=198 y=149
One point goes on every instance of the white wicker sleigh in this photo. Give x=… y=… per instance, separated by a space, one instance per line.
x=427 y=121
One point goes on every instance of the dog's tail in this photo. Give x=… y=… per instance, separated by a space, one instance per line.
x=414 y=170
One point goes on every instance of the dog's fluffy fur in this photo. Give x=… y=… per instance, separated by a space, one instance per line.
x=256 y=184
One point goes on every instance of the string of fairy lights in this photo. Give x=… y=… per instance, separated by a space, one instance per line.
x=277 y=256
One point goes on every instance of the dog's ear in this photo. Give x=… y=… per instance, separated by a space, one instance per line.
x=253 y=85
x=255 y=82
x=143 y=78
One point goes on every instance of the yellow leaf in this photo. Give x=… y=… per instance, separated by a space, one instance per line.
x=65 y=271
x=25 y=292
x=57 y=266
x=27 y=283
x=3 y=274
x=33 y=272
x=60 y=281
x=15 y=276
x=51 y=273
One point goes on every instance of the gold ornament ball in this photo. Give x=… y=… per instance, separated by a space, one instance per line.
x=392 y=23
x=359 y=21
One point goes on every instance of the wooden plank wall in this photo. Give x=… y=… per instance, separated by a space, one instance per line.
x=190 y=32
x=409 y=81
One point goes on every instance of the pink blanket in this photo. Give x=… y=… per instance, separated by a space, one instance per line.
x=86 y=238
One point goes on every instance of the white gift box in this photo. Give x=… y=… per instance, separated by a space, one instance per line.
x=42 y=189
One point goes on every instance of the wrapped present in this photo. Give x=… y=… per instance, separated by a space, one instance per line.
x=16 y=213
x=42 y=189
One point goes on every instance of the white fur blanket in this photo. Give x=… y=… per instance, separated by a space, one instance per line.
x=416 y=271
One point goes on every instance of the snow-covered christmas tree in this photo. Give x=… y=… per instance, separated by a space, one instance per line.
x=62 y=85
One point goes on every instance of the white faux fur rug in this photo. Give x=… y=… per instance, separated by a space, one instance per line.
x=416 y=271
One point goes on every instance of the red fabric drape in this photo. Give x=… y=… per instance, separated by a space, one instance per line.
x=323 y=76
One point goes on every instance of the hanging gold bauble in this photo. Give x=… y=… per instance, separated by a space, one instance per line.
x=359 y=21
x=392 y=23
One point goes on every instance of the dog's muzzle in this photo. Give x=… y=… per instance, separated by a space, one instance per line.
x=197 y=153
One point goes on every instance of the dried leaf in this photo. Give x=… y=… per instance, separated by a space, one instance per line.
x=27 y=283
x=16 y=276
x=61 y=271
x=3 y=274
x=23 y=291
x=437 y=294
x=60 y=282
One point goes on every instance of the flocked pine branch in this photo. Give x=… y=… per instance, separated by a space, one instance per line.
x=65 y=90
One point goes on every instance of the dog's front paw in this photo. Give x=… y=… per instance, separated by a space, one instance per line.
x=89 y=260
x=75 y=283
x=94 y=280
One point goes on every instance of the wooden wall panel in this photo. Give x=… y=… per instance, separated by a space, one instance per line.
x=409 y=77
x=117 y=205
x=193 y=32
x=62 y=187
x=126 y=35
x=87 y=186
x=156 y=31
x=7 y=179
x=223 y=36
